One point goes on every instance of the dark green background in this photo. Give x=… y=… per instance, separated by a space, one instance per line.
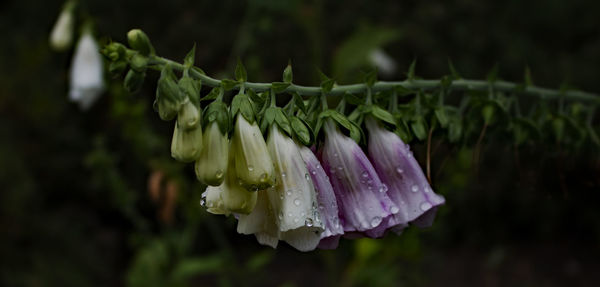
x=74 y=206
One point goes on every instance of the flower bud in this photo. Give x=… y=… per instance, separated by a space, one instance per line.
x=87 y=72
x=139 y=41
x=186 y=145
x=236 y=198
x=61 y=36
x=138 y=63
x=253 y=164
x=211 y=166
x=189 y=116
x=168 y=95
x=134 y=80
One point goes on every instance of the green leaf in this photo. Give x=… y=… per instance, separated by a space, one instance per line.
x=299 y=102
x=241 y=104
x=133 y=81
x=403 y=91
x=190 y=267
x=240 y=72
x=419 y=129
x=411 y=70
x=287 y=73
x=492 y=76
x=440 y=114
x=558 y=126
x=190 y=88
x=455 y=130
x=370 y=77
x=593 y=135
x=228 y=84
x=283 y=122
x=279 y=87
x=326 y=82
x=488 y=113
x=188 y=61
x=453 y=72
x=268 y=118
x=403 y=132
x=213 y=94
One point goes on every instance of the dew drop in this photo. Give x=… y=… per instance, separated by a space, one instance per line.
x=383 y=188
x=308 y=222
x=297 y=202
x=281 y=196
x=250 y=167
x=321 y=207
x=427 y=189
x=414 y=188
x=296 y=220
x=394 y=210
x=289 y=214
x=425 y=206
x=336 y=222
x=307 y=176
x=313 y=172
x=376 y=221
x=289 y=192
x=365 y=174
x=280 y=216
x=219 y=174
x=283 y=174
x=318 y=166
x=340 y=168
x=399 y=170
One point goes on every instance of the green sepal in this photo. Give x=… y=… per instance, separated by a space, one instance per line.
x=139 y=41
x=275 y=115
x=133 y=81
x=370 y=77
x=302 y=130
x=116 y=68
x=288 y=75
x=403 y=91
x=419 y=129
x=299 y=102
x=411 y=70
x=240 y=72
x=279 y=87
x=326 y=83
x=114 y=52
x=189 y=59
x=168 y=95
x=213 y=94
x=241 y=103
x=217 y=111
x=440 y=115
x=354 y=131
x=191 y=89
x=403 y=132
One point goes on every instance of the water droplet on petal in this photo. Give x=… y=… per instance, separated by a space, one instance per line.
x=313 y=172
x=399 y=170
x=383 y=188
x=376 y=221
x=280 y=216
x=289 y=192
x=202 y=202
x=414 y=188
x=321 y=207
x=340 y=168
x=307 y=176
x=365 y=174
x=296 y=220
x=318 y=166
x=394 y=210
x=283 y=174
x=427 y=189
x=297 y=202
x=289 y=214
x=425 y=206
x=250 y=167
x=308 y=222
x=219 y=174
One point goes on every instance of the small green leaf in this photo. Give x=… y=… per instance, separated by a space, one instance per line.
x=440 y=114
x=453 y=72
x=493 y=74
x=116 y=68
x=558 y=126
x=419 y=129
x=188 y=61
x=411 y=70
x=326 y=82
x=301 y=130
x=299 y=102
x=383 y=115
x=228 y=84
x=593 y=135
x=213 y=94
x=279 y=87
x=240 y=72
x=403 y=91
x=282 y=121
x=133 y=81
x=287 y=73
x=370 y=77
x=455 y=129
x=488 y=113
x=403 y=132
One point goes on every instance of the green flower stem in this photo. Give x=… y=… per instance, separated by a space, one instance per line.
x=459 y=84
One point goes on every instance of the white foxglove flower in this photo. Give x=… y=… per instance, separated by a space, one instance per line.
x=384 y=63
x=211 y=165
x=253 y=164
x=260 y=222
x=61 y=36
x=87 y=72
x=293 y=198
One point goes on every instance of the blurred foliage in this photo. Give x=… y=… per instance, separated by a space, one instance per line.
x=79 y=209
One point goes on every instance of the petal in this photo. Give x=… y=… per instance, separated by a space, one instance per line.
x=361 y=196
x=398 y=168
x=211 y=198
x=252 y=161
x=211 y=165
x=293 y=197
x=325 y=195
x=236 y=199
x=186 y=145
x=260 y=222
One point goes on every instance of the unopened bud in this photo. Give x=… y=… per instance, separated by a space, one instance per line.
x=139 y=41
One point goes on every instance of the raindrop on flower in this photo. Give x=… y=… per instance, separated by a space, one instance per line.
x=340 y=168
x=308 y=222
x=289 y=214
x=376 y=221
x=219 y=174
x=297 y=202
x=307 y=176
x=313 y=172
x=250 y=168
x=427 y=189
x=414 y=188
x=296 y=220
x=321 y=207
x=283 y=174
x=394 y=210
x=383 y=188
x=425 y=206
x=202 y=202
x=280 y=216
x=365 y=174
x=399 y=170
x=289 y=192
x=318 y=166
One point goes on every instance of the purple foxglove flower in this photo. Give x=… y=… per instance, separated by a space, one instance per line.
x=400 y=171
x=326 y=198
x=261 y=222
x=361 y=196
x=293 y=197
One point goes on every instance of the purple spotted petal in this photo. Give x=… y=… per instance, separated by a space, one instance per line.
x=326 y=199
x=361 y=196
x=400 y=171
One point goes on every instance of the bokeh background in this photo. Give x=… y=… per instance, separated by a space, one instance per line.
x=93 y=198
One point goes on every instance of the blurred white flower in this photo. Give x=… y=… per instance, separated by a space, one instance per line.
x=384 y=63
x=87 y=78
x=61 y=36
